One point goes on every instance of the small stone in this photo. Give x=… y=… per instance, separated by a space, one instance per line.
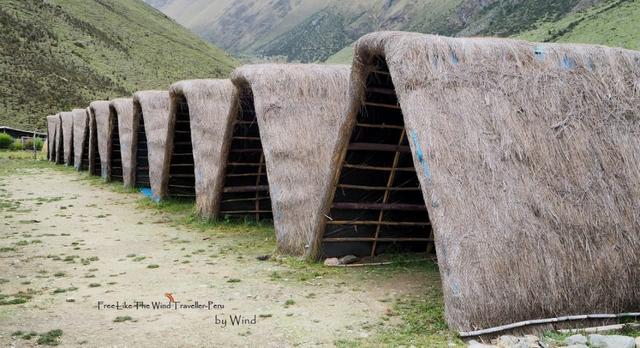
x=331 y=261
x=476 y=344
x=71 y=299
x=349 y=259
x=575 y=339
x=613 y=341
x=263 y=257
x=507 y=341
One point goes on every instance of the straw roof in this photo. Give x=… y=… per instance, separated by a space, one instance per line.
x=212 y=108
x=154 y=107
x=52 y=123
x=123 y=107
x=300 y=110
x=102 y=114
x=528 y=159
x=67 y=134
x=80 y=135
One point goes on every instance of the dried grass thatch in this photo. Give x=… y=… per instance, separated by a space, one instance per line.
x=67 y=135
x=300 y=111
x=80 y=139
x=212 y=107
x=123 y=107
x=52 y=126
x=101 y=111
x=528 y=158
x=153 y=107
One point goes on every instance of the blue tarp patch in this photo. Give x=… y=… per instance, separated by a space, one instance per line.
x=454 y=58
x=539 y=52
x=568 y=63
x=146 y=191
x=420 y=155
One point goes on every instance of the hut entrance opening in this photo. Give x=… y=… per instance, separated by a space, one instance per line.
x=97 y=162
x=54 y=147
x=116 y=157
x=142 y=155
x=246 y=188
x=378 y=205
x=60 y=147
x=182 y=180
x=84 y=159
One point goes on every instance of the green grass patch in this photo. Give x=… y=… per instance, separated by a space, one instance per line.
x=122 y=319
x=50 y=338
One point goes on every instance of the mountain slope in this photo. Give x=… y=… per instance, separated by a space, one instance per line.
x=614 y=23
x=311 y=30
x=611 y=23
x=301 y=30
x=59 y=54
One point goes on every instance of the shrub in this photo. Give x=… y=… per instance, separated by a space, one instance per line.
x=28 y=144
x=39 y=144
x=5 y=141
x=17 y=145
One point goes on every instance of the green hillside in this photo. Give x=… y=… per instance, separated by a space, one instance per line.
x=614 y=23
x=56 y=55
x=609 y=22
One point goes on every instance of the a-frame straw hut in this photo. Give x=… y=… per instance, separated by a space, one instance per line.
x=123 y=110
x=95 y=165
x=104 y=119
x=67 y=137
x=52 y=126
x=526 y=157
x=283 y=141
x=81 y=139
x=200 y=121
x=151 y=113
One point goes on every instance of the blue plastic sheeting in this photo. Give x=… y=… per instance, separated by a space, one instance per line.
x=454 y=58
x=540 y=52
x=146 y=191
x=421 y=158
x=568 y=63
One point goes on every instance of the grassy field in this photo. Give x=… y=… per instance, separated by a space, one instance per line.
x=416 y=318
x=614 y=23
x=61 y=54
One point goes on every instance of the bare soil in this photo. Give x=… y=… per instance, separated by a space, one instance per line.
x=61 y=232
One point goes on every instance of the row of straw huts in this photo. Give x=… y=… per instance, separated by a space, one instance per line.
x=517 y=163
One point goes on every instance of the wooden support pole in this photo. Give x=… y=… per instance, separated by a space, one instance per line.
x=239 y=189
x=379 y=206
x=378 y=147
x=370 y=239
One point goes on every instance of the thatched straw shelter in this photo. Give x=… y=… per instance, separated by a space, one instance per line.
x=101 y=111
x=200 y=122
x=110 y=162
x=282 y=145
x=151 y=113
x=527 y=160
x=95 y=165
x=67 y=137
x=81 y=139
x=52 y=126
x=123 y=110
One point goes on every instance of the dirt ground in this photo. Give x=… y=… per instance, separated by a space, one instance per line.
x=69 y=245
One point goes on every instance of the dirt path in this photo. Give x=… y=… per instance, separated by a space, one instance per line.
x=60 y=233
